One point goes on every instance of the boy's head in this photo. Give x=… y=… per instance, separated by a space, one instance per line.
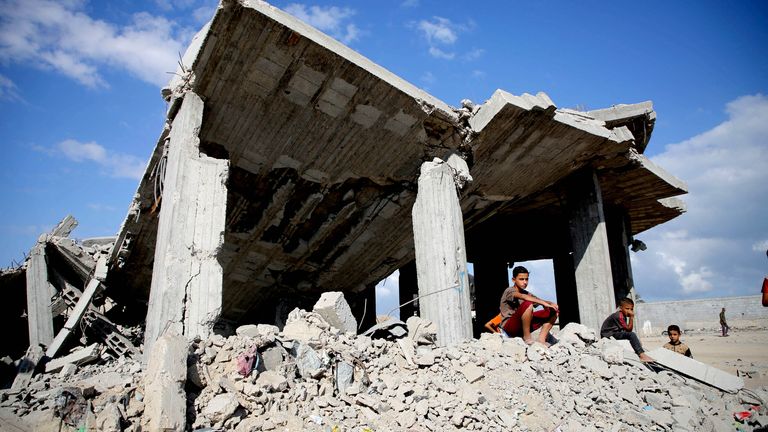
x=673 y=332
x=520 y=277
x=627 y=306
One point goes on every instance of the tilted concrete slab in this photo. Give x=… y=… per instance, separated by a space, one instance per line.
x=325 y=148
x=697 y=370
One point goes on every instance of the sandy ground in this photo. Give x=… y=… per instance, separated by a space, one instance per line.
x=743 y=352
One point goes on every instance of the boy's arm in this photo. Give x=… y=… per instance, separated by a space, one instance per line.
x=631 y=323
x=533 y=299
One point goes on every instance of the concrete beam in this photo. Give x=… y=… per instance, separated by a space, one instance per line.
x=77 y=313
x=186 y=289
x=65 y=227
x=39 y=313
x=591 y=257
x=82 y=356
x=441 y=261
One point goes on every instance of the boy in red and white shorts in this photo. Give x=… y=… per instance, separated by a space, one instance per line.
x=518 y=319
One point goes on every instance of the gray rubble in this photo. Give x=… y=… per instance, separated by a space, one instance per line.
x=320 y=378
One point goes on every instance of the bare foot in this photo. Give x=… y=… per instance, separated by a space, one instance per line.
x=529 y=341
x=645 y=358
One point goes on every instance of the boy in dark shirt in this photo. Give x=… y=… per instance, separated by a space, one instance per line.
x=674 y=343
x=619 y=325
x=517 y=315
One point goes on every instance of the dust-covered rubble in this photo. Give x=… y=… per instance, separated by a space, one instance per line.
x=314 y=376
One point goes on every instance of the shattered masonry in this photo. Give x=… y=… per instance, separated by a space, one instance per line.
x=293 y=169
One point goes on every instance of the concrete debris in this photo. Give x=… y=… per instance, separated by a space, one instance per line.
x=335 y=310
x=341 y=380
x=79 y=357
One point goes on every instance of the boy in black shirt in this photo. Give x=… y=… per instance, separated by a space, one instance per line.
x=619 y=325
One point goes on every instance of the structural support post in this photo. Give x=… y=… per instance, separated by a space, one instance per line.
x=39 y=314
x=441 y=257
x=491 y=279
x=185 y=297
x=409 y=289
x=617 y=224
x=591 y=258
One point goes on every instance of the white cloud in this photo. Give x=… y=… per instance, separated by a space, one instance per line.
x=8 y=90
x=441 y=35
x=204 y=14
x=439 y=31
x=409 y=3
x=477 y=73
x=330 y=19
x=438 y=53
x=712 y=248
x=117 y=165
x=388 y=295
x=428 y=78
x=60 y=36
x=101 y=207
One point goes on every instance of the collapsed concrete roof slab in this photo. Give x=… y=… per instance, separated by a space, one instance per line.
x=325 y=148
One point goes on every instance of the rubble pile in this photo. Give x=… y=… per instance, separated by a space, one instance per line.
x=314 y=376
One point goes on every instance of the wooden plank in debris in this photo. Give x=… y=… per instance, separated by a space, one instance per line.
x=83 y=356
x=27 y=367
x=697 y=370
x=39 y=313
x=74 y=318
x=65 y=227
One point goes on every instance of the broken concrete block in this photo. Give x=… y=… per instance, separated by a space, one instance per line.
x=611 y=352
x=302 y=331
x=165 y=401
x=577 y=334
x=221 y=407
x=335 y=310
x=308 y=362
x=345 y=374
x=272 y=358
x=272 y=381
x=67 y=370
x=514 y=348
x=422 y=331
x=109 y=418
x=597 y=366
x=83 y=356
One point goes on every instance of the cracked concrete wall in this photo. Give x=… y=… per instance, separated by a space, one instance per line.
x=186 y=291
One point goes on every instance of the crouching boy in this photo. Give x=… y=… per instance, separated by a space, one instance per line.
x=619 y=325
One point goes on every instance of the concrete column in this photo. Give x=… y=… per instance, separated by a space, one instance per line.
x=565 y=288
x=591 y=258
x=409 y=289
x=186 y=288
x=491 y=279
x=441 y=257
x=619 y=238
x=39 y=314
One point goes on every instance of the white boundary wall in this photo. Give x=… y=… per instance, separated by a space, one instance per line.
x=702 y=314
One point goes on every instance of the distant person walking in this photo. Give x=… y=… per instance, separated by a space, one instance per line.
x=765 y=288
x=723 y=323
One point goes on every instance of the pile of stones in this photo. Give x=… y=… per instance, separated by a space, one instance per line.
x=318 y=374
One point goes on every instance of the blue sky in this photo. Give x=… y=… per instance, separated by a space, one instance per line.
x=80 y=105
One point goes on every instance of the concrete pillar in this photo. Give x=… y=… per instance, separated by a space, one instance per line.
x=617 y=225
x=589 y=240
x=491 y=279
x=186 y=289
x=441 y=257
x=565 y=288
x=409 y=289
x=39 y=314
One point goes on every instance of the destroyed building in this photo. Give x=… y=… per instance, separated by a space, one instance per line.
x=290 y=165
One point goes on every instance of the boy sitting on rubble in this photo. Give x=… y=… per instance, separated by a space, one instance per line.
x=619 y=325
x=518 y=318
x=674 y=343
